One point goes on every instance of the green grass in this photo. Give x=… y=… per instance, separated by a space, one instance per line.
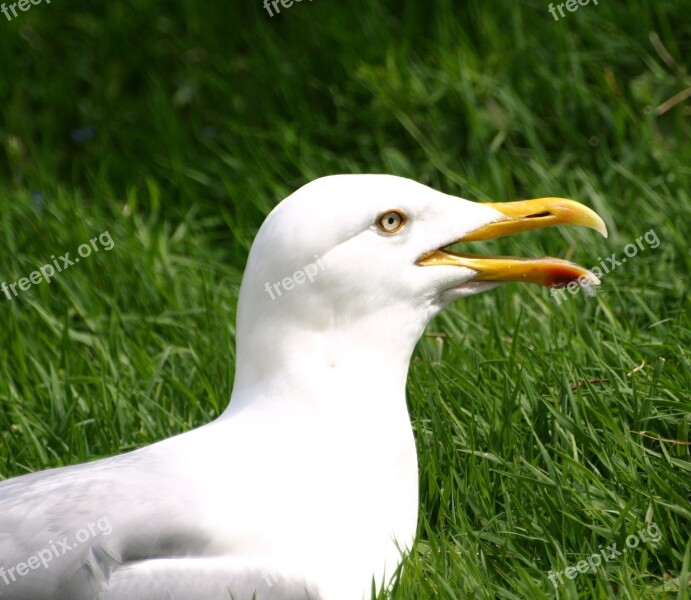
x=205 y=116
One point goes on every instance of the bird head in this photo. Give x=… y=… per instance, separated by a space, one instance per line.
x=372 y=252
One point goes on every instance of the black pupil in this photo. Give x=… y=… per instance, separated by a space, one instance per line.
x=391 y=220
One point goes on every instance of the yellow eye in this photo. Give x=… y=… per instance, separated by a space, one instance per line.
x=391 y=221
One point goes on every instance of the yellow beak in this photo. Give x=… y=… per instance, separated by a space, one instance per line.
x=523 y=215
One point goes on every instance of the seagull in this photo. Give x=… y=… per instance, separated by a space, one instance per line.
x=307 y=485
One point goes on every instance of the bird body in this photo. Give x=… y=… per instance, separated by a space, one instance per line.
x=172 y=501
x=306 y=486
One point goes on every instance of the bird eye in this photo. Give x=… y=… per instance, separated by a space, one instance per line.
x=391 y=221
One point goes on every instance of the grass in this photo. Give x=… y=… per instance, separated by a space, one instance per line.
x=176 y=129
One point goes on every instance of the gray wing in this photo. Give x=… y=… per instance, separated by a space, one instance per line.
x=203 y=579
x=65 y=532
x=122 y=528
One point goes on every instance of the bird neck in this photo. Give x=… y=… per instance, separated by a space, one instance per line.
x=359 y=363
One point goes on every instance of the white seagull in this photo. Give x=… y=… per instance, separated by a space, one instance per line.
x=307 y=485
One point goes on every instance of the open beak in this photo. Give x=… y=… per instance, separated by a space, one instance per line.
x=519 y=216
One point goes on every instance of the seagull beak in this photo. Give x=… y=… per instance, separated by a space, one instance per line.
x=523 y=215
x=534 y=214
